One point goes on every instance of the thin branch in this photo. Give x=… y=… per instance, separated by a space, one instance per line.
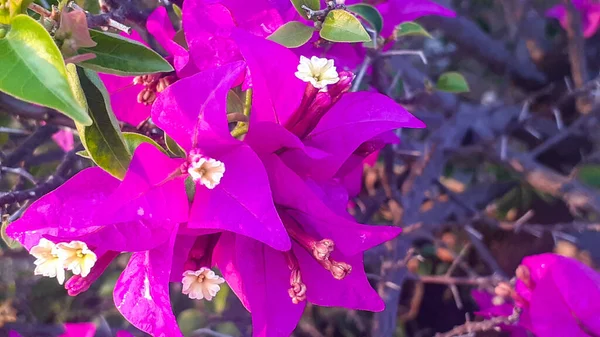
x=21 y=172
x=470 y=328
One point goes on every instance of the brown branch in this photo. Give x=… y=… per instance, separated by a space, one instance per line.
x=472 y=327
x=577 y=52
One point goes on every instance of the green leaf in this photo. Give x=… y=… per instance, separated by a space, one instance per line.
x=369 y=14
x=292 y=35
x=103 y=139
x=32 y=69
x=121 y=56
x=452 y=82
x=177 y=11
x=341 y=26
x=410 y=28
x=173 y=147
x=590 y=175
x=133 y=140
x=315 y=5
x=190 y=188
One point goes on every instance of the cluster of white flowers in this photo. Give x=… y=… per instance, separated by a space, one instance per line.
x=53 y=259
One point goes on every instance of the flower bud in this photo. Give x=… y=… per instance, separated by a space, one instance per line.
x=78 y=284
x=315 y=112
x=339 y=270
x=342 y=86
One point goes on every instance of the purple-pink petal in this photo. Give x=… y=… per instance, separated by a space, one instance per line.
x=355 y=119
x=240 y=204
x=66 y=211
x=79 y=330
x=142 y=291
x=193 y=110
x=273 y=313
x=153 y=189
x=276 y=90
x=353 y=292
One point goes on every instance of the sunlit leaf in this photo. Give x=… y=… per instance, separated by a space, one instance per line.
x=132 y=140
x=121 y=56
x=341 y=26
x=102 y=140
x=410 y=28
x=452 y=82
x=32 y=69
x=315 y=5
x=369 y=14
x=292 y=35
x=177 y=11
x=173 y=147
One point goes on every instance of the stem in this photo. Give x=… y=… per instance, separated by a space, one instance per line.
x=240 y=130
x=248 y=102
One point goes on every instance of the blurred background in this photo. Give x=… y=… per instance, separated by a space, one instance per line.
x=509 y=169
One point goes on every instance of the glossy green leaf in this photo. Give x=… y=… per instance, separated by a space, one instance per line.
x=173 y=147
x=341 y=26
x=369 y=14
x=292 y=35
x=190 y=188
x=177 y=11
x=452 y=82
x=590 y=175
x=121 y=56
x=103 y=140
x=133 y=140
x=410 y=28
x=315 y=5
x=32 y=69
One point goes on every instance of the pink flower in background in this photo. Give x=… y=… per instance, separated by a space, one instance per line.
x=590 y=15
x=490 y=306
x=560 y=296
x=64 y=139
x=131 y=97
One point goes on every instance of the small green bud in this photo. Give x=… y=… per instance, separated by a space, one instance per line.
x=3 y=32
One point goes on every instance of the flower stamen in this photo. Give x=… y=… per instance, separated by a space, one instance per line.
x=297 y=291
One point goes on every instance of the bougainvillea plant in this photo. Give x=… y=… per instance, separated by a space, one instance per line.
x=262 y=135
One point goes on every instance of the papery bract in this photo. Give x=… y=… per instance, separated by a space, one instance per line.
x=560 y=296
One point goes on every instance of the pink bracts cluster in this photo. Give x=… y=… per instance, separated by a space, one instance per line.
x=266 y=205
x=554 y=296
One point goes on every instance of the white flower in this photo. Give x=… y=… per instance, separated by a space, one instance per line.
x=201 y=284
x=207 y=171
x=318 y=71
x=47 y=261
x=76 y=257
